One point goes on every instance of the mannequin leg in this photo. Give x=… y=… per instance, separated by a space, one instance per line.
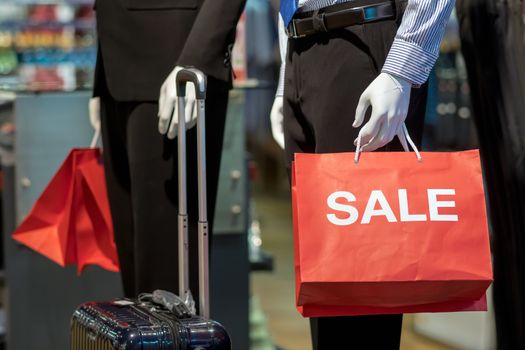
x=364 y=332
x=141 y=172
x=154 y=192
x=114 y=117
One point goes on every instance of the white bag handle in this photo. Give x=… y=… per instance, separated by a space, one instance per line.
x=403 y=137
x=95 y=138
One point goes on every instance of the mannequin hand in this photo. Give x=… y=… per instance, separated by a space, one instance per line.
x=94 y=112
x=276 y=119
x=168 y=113
x=389 y=97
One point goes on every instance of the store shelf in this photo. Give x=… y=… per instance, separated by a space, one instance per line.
x=17 y=25
x=47 y=45
x=48 y=2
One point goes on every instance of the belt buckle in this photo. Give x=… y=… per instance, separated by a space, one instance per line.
x=372 y=13
x=369 y=13
x=291 y=31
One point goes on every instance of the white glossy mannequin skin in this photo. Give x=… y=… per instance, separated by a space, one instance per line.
x=94 y=113
x=389 y=97
x=168 y=106
x=168 y=116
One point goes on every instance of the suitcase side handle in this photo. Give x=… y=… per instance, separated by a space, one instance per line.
x=198 y=79
x=170 y=301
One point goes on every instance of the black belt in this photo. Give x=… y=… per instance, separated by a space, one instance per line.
x=338 y=16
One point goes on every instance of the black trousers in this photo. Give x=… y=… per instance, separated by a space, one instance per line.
x=493 y=43
x=141 y=175
x=325 y=76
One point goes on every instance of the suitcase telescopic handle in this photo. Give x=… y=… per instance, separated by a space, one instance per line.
x=191 y=75
x=198 y=79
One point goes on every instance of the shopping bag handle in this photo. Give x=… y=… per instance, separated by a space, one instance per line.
x=96 y=137
x=403 y=136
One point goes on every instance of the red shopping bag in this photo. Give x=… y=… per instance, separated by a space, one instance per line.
x=70 y=222
x=389 y=234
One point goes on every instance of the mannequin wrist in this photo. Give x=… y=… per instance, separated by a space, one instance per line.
x=403 y=81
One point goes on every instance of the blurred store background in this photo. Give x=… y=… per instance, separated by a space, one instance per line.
x=47 y=45
x=47 y=57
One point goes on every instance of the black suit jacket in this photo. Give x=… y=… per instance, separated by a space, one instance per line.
x=141 y=41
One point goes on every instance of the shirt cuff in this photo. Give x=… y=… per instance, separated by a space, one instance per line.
x=280 y=85
x=409 y=61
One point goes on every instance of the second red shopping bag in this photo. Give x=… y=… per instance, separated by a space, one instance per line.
x=70 y=223
x=389 y=234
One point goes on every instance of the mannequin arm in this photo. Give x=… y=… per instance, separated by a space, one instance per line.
x=94 y=112
x=208 y=45
x=276 y=114
x=283 y=48
x=413 y=53
x=419 y=36
x=207 y=48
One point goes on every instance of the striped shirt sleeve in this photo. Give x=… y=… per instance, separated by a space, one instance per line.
x=416 y=46
x=310 y=5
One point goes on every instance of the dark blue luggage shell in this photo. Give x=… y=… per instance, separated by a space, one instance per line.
x=131 y=325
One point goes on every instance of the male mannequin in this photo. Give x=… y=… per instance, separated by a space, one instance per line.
x=329 y=78
x=141 y=44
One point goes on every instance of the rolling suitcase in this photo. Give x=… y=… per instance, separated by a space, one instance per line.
x=162 y=320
